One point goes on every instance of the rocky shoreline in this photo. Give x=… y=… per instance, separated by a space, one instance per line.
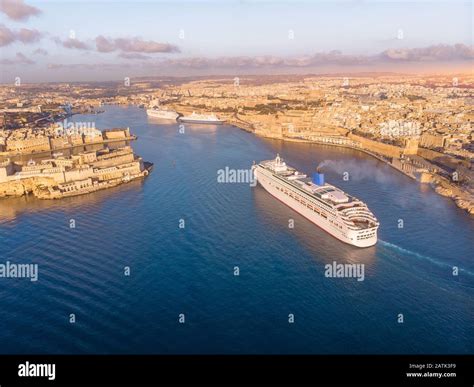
x=461 y=199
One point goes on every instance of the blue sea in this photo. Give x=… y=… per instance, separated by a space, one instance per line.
x=189 y=271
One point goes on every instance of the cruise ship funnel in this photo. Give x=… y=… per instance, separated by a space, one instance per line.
x=318 y=178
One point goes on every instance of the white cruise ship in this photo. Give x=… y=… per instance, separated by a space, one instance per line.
x=341 y=215
x=195 y=118
x=163 y=114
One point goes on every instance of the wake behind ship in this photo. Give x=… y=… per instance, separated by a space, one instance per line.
x=341 y=215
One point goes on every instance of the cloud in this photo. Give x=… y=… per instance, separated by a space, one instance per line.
x=72 y=43
x=87 y=66
x=40 y=51
x=7 y=36
x=137 y=45
x=104 y=45
x=432 y=53
x=333 y=57
x=133 y=55
x=18 y=10
x=438 y=52
x=19 y=59
x=24 y=35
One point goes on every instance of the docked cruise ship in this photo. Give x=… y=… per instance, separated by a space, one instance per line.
x=341 y=215
x=196 y=118
x=163 y=114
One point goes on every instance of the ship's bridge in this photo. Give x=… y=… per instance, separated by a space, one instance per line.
x=279 y=166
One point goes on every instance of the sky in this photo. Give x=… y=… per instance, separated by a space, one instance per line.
x=50 y=40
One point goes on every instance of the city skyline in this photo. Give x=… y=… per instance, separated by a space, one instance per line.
x=40 y=41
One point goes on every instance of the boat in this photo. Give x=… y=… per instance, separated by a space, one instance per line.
x=343 y=216
x=195 y=118
x=164 y=114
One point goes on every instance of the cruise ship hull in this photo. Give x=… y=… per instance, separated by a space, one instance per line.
x=162 y=115
x=352 y=237
x=207 y=122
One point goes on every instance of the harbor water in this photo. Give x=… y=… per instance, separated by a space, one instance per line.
x=184 y=236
